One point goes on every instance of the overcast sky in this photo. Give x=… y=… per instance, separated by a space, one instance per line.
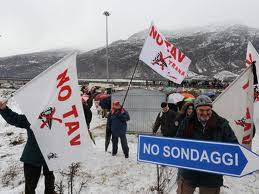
x=34 y=25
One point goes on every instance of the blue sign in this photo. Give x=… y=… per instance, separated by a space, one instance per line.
x=213 y=157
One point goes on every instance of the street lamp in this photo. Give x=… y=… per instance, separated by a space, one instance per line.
x=106 y=13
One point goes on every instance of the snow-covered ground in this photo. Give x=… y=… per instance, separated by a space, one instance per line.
x=101 y=173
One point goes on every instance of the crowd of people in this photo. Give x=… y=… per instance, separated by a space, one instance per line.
x=192 y=83
x=193 y=119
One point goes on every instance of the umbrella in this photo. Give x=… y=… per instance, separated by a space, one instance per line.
x=107 y=138
x=104 y=96
x=101 y=96
x=97 y=97
x=174 y=98
x=189 y=99
x=187 y=95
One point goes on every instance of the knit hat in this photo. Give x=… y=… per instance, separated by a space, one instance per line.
x=202 y=100
x=116 y=104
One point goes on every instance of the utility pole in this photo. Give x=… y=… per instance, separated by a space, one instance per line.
x=106 y=13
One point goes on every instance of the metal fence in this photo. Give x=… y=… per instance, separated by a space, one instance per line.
x=143 y=106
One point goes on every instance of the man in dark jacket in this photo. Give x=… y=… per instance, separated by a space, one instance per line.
x=31 y=156
x=117 y=123
x=206 y=125
x=105 y=104
x=165 y=119
x=87 y=102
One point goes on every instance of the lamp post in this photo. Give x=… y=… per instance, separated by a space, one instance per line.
x=106 y=13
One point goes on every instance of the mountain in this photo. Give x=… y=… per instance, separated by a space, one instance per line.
x=29 y=65
x=215 y=51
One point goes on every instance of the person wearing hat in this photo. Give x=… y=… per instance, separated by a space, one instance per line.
x=117 y=123
x=203 y=124
x=87 y=102
x=165 y=119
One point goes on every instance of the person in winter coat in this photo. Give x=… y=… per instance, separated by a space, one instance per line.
x=117 y=123
x=186 y=111
x=165 y=119
x=31 y=157
x=207 y=125
x=87 y=113
x=87 y=102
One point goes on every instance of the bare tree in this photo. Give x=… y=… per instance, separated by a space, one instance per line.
x=69 y=177
x=166 y=179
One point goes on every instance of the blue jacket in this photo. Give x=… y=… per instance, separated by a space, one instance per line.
x=117 y=123
x=106 y=103
x=31 y=153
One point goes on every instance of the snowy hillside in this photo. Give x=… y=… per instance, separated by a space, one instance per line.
x=101 y=173
x=213 y=49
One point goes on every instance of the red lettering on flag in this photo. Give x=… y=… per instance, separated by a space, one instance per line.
x=62 y=78
x=248 y=116
x=75 y=141
x=246 y=139
x=159 y=40
x=153 y=32
x=72 y=112
x=249 y=61
x=246 y=85
x=68 y=92
x=168 y=45
x=181 y=56
x=173 y=52
x=72 y=127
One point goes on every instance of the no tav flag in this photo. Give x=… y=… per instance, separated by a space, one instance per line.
x=52 y=105
x=238 y=103
x=163 y=57
x=235 y=104
x=252 y=59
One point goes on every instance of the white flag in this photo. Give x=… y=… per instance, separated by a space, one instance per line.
x=253 y=57
x=236 y=105
x=52 y=105
x=163 y=57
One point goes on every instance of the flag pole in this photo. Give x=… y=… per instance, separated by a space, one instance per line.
x=254 y=72
x=157 y=172
x=129 y=84
x=253 y=65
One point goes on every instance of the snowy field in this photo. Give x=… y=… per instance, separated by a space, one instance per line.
x=101 y=173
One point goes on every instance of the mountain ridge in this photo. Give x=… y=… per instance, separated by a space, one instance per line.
x=212 y=49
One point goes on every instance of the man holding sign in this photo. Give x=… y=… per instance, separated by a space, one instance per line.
x=204 y=124
x=31 y=156
x=54 y=119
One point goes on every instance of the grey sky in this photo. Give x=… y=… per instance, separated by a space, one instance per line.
x=34 y=25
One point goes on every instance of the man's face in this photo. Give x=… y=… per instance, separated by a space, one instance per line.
x=117 y=109
x=204 y=113
x=165 y=109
